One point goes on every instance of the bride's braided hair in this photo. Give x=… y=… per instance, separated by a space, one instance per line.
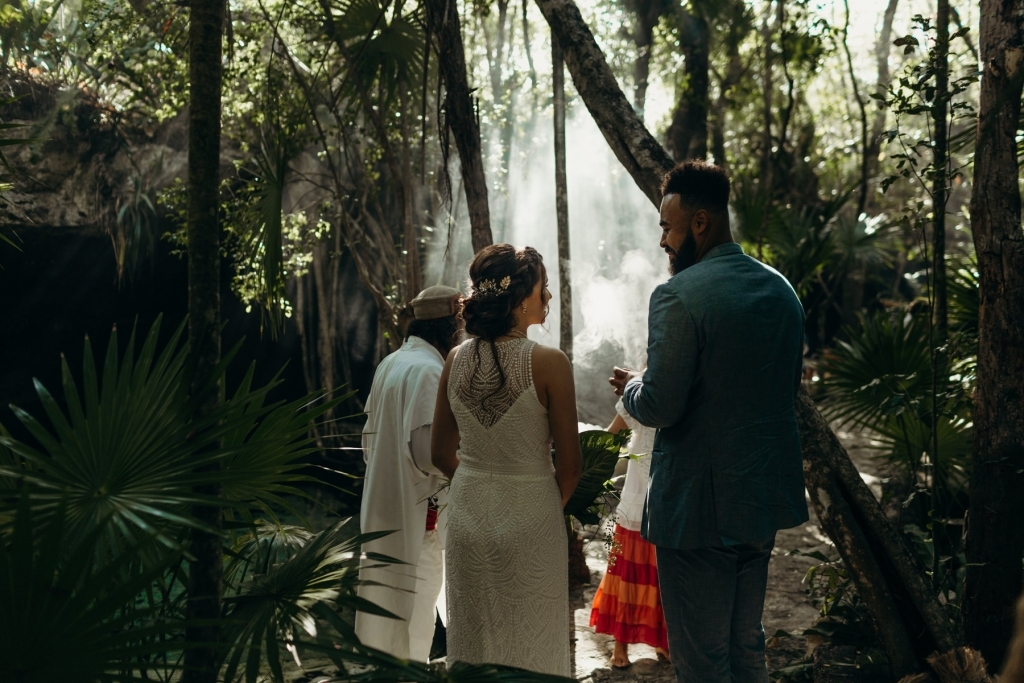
x=501 y=277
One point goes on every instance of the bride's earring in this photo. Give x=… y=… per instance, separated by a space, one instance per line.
x=524 y=309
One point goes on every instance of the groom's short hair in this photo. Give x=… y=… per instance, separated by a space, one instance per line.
x=700 y=185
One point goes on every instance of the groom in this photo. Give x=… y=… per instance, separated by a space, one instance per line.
x=723 y=368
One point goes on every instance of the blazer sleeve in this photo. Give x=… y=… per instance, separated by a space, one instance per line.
x=658 y=398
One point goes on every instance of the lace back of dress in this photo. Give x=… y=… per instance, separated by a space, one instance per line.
x=478 y=374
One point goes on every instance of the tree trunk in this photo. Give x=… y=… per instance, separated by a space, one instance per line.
x=561 y=203
x=994 y=533
x=206 y=23
x=879 y=559
x=460 y=117
x=889 y=579
x=767 y=88
x=882 y=50
x=733 y=74
x=940 y=105
x=529 y=53
x=688 y=133
x=648 y=13
x=413 y=270
x=862 y=195
x=635 y=148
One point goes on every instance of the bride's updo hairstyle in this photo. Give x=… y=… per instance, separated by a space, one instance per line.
x=502 y=277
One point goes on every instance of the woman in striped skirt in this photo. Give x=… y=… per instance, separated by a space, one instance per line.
x=627 y=605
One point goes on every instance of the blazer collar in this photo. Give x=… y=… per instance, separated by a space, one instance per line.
x=727 y=249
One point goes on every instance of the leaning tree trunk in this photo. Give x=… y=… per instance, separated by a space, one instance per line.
x=995 y=534
x=206 y=22
x=635 y=148
x=460 y=116
x=881 y=563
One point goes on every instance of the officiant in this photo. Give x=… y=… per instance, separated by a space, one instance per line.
x=401 y=487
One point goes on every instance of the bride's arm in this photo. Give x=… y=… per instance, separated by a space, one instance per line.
x=556 y=371
x=444 y=431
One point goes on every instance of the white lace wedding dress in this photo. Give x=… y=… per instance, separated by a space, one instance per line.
x=506 y=550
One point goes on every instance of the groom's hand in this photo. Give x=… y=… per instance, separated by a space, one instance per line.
x=620 y=378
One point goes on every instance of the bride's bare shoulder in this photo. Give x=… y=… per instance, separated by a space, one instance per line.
x=548 y=358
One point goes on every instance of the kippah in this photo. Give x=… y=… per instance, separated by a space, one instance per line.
x=436 y=302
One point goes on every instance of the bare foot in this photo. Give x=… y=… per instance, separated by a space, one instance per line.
x=620 y=657
x=663 y=655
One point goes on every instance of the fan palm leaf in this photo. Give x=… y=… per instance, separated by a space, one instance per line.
x=124 y=457
x=264 y=453
x=964 y=303
x=55 y=598
x=129 y=452
x=884 y=370
x=293 y=597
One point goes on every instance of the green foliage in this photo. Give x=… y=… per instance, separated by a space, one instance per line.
x=964 y=303
x=128 y=453
x=92 y=566
x=133 y=232
x=288 y=598
x=882 y=380
x=57 y=597
x=812 y=245
x=601 y=450
x=843 y=621
x=120 y=458
x=913 y=95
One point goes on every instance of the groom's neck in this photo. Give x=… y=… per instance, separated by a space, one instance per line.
x=716 y=238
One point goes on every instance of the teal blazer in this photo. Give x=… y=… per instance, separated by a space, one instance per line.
x=724 y=360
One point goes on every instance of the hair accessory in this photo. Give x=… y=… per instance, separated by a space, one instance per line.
x=492 y=287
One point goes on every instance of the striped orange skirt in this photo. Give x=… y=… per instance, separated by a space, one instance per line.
x=628 y=603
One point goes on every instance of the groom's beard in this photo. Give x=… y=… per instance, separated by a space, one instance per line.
x=678 y=261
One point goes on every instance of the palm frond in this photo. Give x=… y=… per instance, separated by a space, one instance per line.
x=884 y=370
x=910 y=440
x=128 y=452
x=298 y=596
x=124 y=455
x=964 y=302
x=56 y=598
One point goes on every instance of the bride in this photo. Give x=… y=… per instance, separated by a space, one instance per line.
x=501 y=400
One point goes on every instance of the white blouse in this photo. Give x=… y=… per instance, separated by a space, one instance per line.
x=630 y=512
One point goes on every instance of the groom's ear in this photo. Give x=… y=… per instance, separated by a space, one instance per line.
x=700 y=221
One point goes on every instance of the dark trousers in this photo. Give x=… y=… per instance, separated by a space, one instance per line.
x=713 y=599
